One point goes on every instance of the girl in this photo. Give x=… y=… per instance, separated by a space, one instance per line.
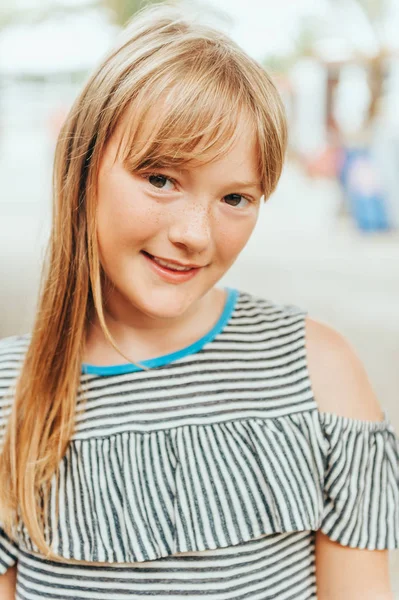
x=163 y=436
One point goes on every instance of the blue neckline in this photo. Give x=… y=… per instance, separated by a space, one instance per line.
x=165 y=359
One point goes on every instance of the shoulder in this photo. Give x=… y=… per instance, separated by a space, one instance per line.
x=12 y=353
x=268 y=309
x=339 y=379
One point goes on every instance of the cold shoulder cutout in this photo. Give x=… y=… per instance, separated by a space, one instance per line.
x=339 y=381
x=212 y=471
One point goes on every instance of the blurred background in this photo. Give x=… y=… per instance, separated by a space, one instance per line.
x=327 y=240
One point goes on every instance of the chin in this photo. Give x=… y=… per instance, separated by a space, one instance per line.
x=169 y=305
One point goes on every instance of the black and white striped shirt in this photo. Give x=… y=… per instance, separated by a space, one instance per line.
x=207 y=475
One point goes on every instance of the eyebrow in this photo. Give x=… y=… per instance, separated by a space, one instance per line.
x=244 y=184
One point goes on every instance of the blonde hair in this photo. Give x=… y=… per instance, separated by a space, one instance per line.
x=194 y=83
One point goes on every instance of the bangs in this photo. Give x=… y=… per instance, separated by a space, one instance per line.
x=193 y=121
x=187 y=103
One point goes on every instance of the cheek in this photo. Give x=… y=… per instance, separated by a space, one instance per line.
x=125 y=217
x=233 y=237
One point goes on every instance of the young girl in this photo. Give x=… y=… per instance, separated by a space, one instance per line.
x=164 y=437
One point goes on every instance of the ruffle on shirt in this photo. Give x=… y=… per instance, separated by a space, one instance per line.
x=135 y=497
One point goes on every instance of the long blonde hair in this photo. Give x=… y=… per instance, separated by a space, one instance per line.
x=197 y=83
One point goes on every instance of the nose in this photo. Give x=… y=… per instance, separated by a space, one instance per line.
x=191 y=228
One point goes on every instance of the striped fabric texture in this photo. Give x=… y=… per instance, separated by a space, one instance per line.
x=208 y=474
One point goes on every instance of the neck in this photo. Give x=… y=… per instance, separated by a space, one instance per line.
x=141 y=337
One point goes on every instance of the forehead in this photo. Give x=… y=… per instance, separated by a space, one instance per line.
x=238 y=149
x=238 y=162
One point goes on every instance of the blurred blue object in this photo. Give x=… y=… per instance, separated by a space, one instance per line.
x=366 y=197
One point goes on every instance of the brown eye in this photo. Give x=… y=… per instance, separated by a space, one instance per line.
x=235 y=199
x=159 y=181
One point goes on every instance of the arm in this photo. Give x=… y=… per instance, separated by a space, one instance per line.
x=340 y=385
x=344 y=573
x=7 y=584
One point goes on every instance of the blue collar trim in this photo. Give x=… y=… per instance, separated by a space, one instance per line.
x=160 y=361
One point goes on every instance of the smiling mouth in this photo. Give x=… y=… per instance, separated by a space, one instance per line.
x=170 y=265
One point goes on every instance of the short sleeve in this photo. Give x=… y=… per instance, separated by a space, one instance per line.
x=8 y=552
x=361 y=485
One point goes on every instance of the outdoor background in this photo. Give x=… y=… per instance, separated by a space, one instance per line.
x=327 y=240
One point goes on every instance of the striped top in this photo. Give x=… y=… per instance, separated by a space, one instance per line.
x=208 y=474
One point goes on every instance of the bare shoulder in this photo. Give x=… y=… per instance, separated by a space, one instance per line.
x=339 y=380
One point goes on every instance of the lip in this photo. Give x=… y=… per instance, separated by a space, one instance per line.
x=174 y=262
x=168 y=275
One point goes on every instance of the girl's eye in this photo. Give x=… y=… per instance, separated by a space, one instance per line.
x=235 y=199
x=159 y=181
